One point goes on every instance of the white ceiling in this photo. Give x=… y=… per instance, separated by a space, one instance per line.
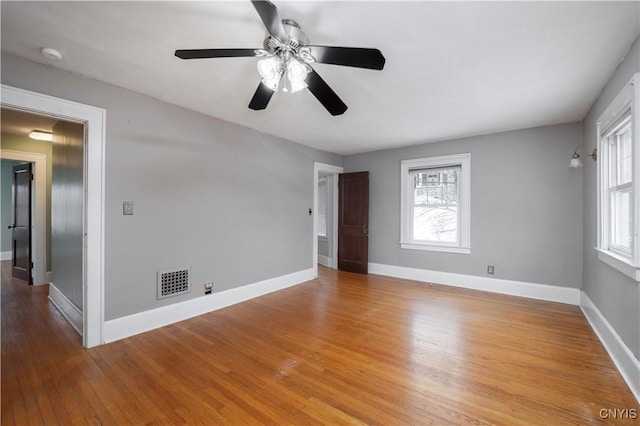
x=453 y=68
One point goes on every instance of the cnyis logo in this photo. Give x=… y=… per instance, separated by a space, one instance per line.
x=619 y=413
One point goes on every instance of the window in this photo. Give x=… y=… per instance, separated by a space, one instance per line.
x=322 y=208
x=618 y=183
x=435 y=204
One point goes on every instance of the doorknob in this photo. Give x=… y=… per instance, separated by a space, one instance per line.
x=11 y=226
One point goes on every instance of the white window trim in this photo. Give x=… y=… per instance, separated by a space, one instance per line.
x=462 y=160
x=628 y=97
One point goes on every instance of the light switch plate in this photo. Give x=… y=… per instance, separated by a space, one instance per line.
x=127 y=208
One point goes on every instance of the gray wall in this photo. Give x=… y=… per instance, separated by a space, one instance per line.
x=227 y=201
x=615 y=295
x=13 y=142
x=67 y=210
x=6 y=202
x=526 y=206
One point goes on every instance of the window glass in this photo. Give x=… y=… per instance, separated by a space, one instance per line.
x=435 y=204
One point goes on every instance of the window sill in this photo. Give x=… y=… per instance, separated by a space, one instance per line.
x=430 y=247
x=620 y=263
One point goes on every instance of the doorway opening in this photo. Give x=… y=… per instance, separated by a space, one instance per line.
x=325 y=215
x=92 y=119
x=43 y=224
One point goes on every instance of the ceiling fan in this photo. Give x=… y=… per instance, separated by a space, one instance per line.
x=286 y=58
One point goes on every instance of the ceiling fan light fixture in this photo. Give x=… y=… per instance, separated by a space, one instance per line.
x=296 y=71
x=296 y=74
x=271 y=84
x=297 y=85
x=269 y=68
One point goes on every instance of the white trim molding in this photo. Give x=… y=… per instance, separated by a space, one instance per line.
x=324 y=260
x=131 y=325
x=6 y=255
x=68 y=310
x=548 y=292
x=94 y=119
x=622 y=357
x=619 y=263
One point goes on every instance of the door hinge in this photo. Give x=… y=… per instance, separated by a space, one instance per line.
x=31 y=265
x=31 y=176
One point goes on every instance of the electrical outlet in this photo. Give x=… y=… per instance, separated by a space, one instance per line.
x=208 y=288
x=490 y=269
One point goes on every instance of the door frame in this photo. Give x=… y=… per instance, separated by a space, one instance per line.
x=335 y=171
x=38 y=211
x=95 y=126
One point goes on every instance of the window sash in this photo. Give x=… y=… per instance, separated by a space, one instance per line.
x=616 y=138
x=620 y=224
x=619 y=185
x=439 y=188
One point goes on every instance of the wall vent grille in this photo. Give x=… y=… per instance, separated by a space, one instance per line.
x=174 y=282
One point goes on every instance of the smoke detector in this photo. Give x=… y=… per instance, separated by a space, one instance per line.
x=51 y=54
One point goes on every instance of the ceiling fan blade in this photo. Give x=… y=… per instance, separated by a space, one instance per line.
x=348 y=56
x=214 y=53
x=261 y=98
x=269 y=14
x=325 y=94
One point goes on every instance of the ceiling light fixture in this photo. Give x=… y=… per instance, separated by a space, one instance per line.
x=575 y=158
x=285 y=61
x=41 y=135
x=272 y=70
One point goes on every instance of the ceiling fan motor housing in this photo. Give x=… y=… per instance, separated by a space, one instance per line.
x=295 y=38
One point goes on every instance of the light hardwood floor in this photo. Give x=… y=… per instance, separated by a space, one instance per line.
x=341 y=349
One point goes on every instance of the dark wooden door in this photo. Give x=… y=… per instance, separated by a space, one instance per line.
x=21 y=228
x=353 y=222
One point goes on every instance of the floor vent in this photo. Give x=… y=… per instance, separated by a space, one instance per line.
x=172 y=283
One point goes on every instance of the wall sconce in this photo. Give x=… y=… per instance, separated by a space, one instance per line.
x=575 y=158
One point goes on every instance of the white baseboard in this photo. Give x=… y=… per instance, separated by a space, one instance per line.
x=627 y=364
x=47 y=277
x=324 y=260
x=6 y=255
x=551 y=293
x=130 y=325
x=68 y=310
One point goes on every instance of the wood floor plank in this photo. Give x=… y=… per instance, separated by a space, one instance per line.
x=342 y=349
